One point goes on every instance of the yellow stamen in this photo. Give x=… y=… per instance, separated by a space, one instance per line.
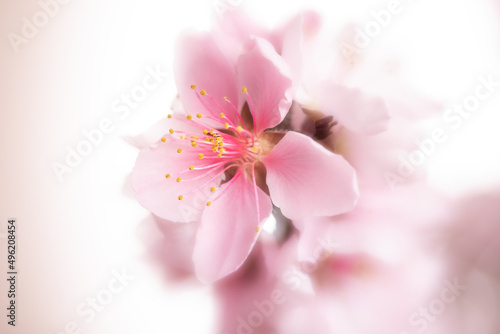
x=211 y=131
x=183 y=137
x=203 y=92
x=198 y=115
x=205 y=131
x=193 y=143
x=201 y=156
x=193 y=86
x=178 y=179
x=244 y=90
x=191 y=167
x=255 y=149
x=239 y=128
x=164 y=139
x=226 y=125
x=171 y=131
x=219 y=155
x=257 y=229
x=169 y=116
x=212 y=189
x=189 y=117
x=195 y=137
x=208 y=203
x=180 y=197
x=167 y=176
x=179 y=150
x=222 y=115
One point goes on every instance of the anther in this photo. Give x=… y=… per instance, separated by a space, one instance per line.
x=167 y=176
x=179 y=150
x=164 y=139
x=178 y=179
x=180 y=197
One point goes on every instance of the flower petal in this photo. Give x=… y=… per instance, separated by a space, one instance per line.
x=228 y=230
x=234 y=29
x=161 y=195
x=170 y=245
x=305 y=179
x=268 y=80
x=296 y=37
x=354 y=109
x=198 y=61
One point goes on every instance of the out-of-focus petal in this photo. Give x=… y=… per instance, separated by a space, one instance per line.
x=354 y=109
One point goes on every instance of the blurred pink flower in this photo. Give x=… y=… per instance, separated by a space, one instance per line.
x=223 y=163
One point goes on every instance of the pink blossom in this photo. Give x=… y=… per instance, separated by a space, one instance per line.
x=222 y=163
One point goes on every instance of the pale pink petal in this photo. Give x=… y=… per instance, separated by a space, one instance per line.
x=170 y=246
x=354 y=109
x=292 y=50
x=198 y=61
x=234 y=28
x=228 y=230
x=268 y=80
x=160 y=195
x=305 y=179
x=295 y=36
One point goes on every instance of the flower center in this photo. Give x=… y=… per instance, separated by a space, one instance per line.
x=220 y=142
